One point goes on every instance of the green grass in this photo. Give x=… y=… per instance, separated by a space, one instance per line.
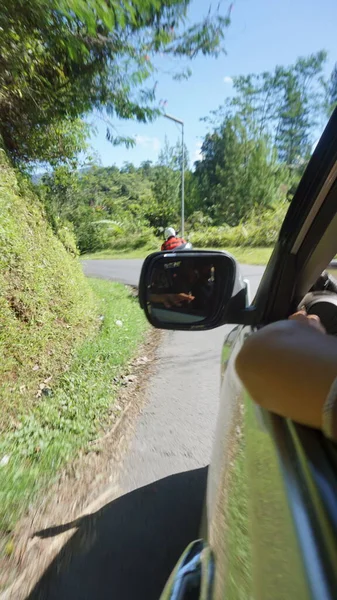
x=51 y=433
x=249 y=256
x=46 y=305
x=113 y=255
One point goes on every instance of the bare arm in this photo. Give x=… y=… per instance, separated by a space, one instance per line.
x=288 y=367
x=171 y=300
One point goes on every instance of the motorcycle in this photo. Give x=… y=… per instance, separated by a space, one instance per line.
x=186 y=246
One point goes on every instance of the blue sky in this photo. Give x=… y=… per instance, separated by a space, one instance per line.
x=263 y=33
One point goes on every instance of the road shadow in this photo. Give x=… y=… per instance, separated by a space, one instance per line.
x=127 y=549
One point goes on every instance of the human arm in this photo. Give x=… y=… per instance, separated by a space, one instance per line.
x=171 y=300
x=288 y=367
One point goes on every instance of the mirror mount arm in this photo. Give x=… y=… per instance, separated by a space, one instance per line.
x=238 y=312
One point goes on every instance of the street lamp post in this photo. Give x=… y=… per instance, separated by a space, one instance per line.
x=180 y=122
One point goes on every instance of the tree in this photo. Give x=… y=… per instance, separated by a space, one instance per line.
x=332 y=91
x=59 y=191
x=292 y=137
x=178 y=157
x=58 y=143
x=285 y=104
x=145 y=168
x=102 y=204
x=60 y=59
x=237 y=175
x=128 y=167
x=193 y=205
x=301 y=106
x=166 y=187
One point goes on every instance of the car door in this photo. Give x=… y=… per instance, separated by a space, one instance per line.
x=271 y=527
x=272 y=493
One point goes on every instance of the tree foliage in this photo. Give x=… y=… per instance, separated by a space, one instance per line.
x=60 y=59
x=252 y=160
x=166 y=178
x=237 y=174
x=332 y=91
x=110 y=203
x=284 y=104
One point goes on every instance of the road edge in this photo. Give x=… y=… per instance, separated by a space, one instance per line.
x=43 y=552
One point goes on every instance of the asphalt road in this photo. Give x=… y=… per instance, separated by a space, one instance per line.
x=125 y=271
x=175 y=431
x=128 y=271
x=139 y=536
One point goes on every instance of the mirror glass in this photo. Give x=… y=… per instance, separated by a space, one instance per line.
x=183 y=290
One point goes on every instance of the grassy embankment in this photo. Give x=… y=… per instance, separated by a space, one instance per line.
x=63 y=340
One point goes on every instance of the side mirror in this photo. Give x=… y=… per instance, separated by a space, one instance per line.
x=192 y=290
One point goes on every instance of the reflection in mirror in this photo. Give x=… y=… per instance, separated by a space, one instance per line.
x=182 y=290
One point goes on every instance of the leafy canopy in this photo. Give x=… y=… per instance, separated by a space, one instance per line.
x=238 y=174
x=252 y=160
x=60 y=59
x=285 y=104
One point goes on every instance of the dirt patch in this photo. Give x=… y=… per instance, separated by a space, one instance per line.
x=87 y=484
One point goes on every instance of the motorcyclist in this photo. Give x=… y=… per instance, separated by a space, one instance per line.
x=171 y=240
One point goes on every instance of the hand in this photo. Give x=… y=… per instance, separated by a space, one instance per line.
x=311 y=320
x=172 y=300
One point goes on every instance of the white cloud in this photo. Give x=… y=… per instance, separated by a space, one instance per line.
x=228 y=80
x=197 y=152
x=146 y=141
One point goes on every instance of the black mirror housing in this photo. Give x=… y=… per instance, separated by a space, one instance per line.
x=191 y=290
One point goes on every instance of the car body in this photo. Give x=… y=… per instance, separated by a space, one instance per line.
x=270 y=525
